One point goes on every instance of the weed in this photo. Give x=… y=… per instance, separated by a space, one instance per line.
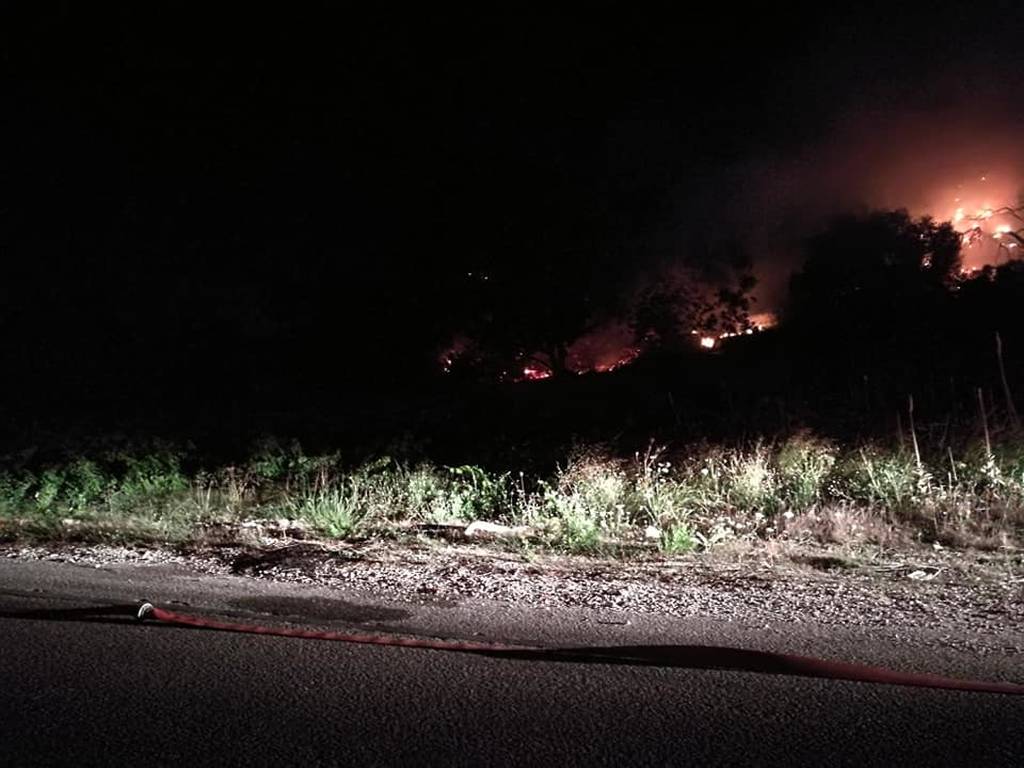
x=331 y=505
x=475 y=494
x=804 y=464
x=47 y=488
x=590 y=488
x=426 y=492
x=717 y=534
x=891 y=481
x=701 y=498
x=660 y=498
x=678 y=539
x=752 y=485
x=578 y=533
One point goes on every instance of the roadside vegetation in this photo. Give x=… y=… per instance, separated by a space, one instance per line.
x=691 y=499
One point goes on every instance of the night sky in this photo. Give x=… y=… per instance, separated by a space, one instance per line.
x=196 y=193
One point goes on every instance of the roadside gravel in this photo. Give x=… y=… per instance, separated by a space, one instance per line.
x=960 y=600
x=972 y=602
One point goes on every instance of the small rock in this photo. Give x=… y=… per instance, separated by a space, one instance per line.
x=652 y=533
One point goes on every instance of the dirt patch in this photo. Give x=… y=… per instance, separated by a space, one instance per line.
x=256 y=560
x=824 y=562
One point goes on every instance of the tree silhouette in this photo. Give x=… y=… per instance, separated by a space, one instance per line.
x=874 y=295
x=865 y=272
x=700 y=297
x=528 y=315
x=1011 y=236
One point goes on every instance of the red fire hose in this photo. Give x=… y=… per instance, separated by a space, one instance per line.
x=688 y=656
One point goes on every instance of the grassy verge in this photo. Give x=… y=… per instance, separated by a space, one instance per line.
x=686 y=500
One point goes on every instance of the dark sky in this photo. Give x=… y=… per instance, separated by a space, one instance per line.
x=279 y=164
x=474 y=125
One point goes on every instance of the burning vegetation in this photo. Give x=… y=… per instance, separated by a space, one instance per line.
x=681 y=311
x=605 y=350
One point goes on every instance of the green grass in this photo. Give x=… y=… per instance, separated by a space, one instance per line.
x=695 y=498
x=678 y=540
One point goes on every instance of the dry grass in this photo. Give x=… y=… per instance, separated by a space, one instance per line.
x=701 y=498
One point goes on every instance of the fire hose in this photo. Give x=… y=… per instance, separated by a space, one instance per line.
x=687 y=656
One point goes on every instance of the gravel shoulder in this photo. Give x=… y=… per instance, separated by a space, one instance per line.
x=959 y=601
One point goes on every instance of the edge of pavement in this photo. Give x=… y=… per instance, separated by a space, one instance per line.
x=27 y=586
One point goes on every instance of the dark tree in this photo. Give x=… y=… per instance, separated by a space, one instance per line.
x=701 y=296
x=867 y=273
x=529 y=315
x=874 y=297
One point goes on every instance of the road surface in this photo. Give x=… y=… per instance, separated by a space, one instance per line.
x=114 y=692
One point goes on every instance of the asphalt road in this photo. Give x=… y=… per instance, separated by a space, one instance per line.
x=114 y=692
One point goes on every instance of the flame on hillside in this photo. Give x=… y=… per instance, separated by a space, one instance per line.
x=990 y=232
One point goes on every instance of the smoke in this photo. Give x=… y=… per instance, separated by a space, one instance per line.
x=931 y=162
x=876 y=108
x=965 y=157
x=934 y=157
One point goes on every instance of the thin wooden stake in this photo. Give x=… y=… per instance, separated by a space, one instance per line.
x=1010 y=407
x=913 y=433
x=984 y=424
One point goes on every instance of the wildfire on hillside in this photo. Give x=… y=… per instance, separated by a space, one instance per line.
x=990 y=227
x=606 y=349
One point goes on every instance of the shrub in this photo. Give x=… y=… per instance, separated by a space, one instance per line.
x=84 y=483
x=272 y=461
x=47 y=488
x=426 y=492
x=591 y=489
x=878 y=478
x=475 y=494
x=999 y=474
x=15 y=491
x=1010 y=457
x=804 y=464
x=152 y=474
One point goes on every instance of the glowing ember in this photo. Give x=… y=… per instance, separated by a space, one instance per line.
x=707 y=342
x=450 y=357
x=535 y=374
x=625 y=359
